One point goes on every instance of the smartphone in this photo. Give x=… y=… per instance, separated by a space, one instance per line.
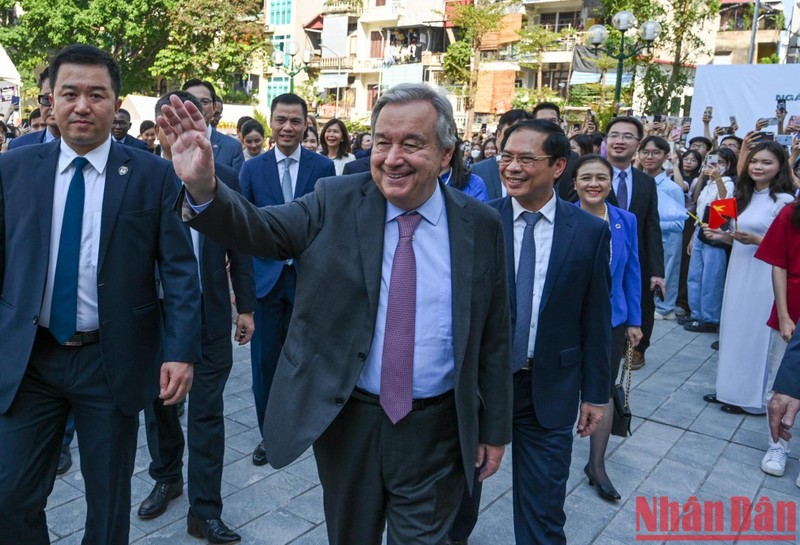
x=765 y=136
x=686 y=120
x=784 y=140
x=658 y=293
x=576 y=126
x=629 y=113
x=769 y=120
x=658 y=118
x=794 y=120
x=727 y=130
x=782 y=105
x=709 y=110
x=712 y=160
x=733 y=121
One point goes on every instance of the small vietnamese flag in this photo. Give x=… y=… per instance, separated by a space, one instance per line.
x=721 y=213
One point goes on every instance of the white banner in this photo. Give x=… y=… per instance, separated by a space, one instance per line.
x=747 y=91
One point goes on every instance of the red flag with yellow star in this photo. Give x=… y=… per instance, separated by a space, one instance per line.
x=723 y=214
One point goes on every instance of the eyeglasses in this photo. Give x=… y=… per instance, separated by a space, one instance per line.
x=523 y=160
x=628 y=137
x=650 y=152
x=44 y=100
x=120 y=123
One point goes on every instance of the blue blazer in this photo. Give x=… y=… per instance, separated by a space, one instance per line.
x=261 y=185
x=139 y=234
x=788 y=379
x=572 y=354
x=36 y=137
x=489 y=171
x=133 y=142
x=626 y=273
x=227 y=150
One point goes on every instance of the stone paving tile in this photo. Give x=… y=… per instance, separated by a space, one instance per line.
x=681 y=446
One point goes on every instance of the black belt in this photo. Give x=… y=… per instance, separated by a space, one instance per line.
x=80 y=338
x=416 y=404
x=528 y=365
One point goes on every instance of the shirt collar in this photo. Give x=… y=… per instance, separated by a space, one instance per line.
x=98 y=157
x=279 y=156
x=548 y=210
x=210 y=129
x=431 y=210
x=628 y=169
x=48 y=136
x=660 y=177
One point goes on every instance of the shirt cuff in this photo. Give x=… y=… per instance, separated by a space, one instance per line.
x=196 y=207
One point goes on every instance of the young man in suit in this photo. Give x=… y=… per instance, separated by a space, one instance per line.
x=287 y=171
x=84 y=224
x=400 y=338
x=636 y=192
x=205 y=422
x=51 y=131
x=119 y=130
x=227 y=150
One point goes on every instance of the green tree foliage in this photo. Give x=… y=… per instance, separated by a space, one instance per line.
x=681 y=39
x=173 y=38
x=456 y=64
x=211 y=40
x=475 y=21
x=133 y=31
x=534 y=41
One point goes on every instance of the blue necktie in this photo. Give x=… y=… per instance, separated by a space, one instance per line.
x=526 y=271
x=64 y=309
x=622 y=190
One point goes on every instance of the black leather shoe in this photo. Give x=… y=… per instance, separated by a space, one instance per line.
x=711 y=398
x=605 y=490
x=156 y=503
x=260 y=455
x=64 y=460
x=732 y=409
x=214 y=530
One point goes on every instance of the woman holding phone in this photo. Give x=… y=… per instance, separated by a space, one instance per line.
x=762 y=190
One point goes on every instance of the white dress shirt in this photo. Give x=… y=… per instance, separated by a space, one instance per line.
x=543 y=236
x=628 y=182
x=294 y=168
x=94 y=175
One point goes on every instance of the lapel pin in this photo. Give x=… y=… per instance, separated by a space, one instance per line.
x=618 y=226
x=123 y=171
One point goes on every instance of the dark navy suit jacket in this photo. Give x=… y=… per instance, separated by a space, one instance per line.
x=227 y=150
x=572 y=353
x=36 y=137
x=261 y=185
x=133 y=142
x=138 y=232
x=788 y=379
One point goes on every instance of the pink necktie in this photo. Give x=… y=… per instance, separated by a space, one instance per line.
x=397 y=367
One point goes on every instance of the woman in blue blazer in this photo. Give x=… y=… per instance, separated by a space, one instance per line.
x=593 y=175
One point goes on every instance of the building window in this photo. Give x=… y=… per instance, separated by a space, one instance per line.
x=280 y=12
x=276 y=86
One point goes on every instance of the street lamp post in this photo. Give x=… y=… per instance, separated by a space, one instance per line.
x=623 y=21
x=293 y=68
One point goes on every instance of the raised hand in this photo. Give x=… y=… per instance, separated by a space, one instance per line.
x=192 y=157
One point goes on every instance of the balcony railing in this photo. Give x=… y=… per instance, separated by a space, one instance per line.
x=367 y=65
x=341 y=8
x=334 y=63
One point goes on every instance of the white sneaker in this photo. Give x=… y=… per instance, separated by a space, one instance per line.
x=774 y=461
x=668 y=316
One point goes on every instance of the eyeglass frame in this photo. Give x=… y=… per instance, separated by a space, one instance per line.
x=522 y=160
x=44 y=100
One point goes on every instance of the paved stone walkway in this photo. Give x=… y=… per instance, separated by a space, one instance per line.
x=681 y=447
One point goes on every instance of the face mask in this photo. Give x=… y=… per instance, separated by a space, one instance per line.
x=722 y=168
x=475 y=153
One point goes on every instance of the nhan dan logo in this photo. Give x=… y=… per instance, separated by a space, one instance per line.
x=663 y=519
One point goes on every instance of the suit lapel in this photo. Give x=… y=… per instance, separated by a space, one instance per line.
x=462 y=242
x=273 y=189
x=563 y=232
x=370 y=226
x=43 y=179
x=215 y=142
x=303 y=173
x=117 y=176
x=507 y=216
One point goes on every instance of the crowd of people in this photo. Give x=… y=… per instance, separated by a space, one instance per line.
x=387 y=310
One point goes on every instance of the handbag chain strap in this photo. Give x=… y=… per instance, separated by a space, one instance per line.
x=626 y=371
